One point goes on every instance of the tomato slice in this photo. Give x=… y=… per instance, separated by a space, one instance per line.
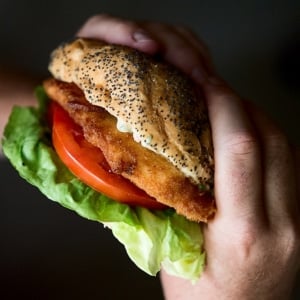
x=88 y=163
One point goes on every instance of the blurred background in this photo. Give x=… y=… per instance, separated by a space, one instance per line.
x=48 y=252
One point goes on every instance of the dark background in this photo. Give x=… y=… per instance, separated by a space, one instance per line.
x=48 y=252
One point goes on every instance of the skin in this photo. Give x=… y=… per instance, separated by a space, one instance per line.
x=10 y=95
x=252 y=243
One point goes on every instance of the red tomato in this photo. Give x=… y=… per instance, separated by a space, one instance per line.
x=88 y=163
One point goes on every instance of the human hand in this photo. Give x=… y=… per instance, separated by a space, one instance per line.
x=177 y=45
x=11 y=96
x=252 y=244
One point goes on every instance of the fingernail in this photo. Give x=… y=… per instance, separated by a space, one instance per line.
x=141 y=36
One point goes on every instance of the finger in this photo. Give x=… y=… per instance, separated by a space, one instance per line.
x=119 y=31
x=279 y=163
x=199 y=46
x=297 y=168
x=238 y=173
x=178 y=50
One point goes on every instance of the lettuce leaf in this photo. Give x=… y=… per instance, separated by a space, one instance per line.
x=152 y=239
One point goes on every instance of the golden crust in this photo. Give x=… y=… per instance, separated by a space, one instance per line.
x=157 y=102
x=149 y=171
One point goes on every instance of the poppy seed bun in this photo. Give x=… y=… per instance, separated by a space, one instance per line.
x=151 y=99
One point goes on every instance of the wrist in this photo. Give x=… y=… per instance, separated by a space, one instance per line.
x=231 y=288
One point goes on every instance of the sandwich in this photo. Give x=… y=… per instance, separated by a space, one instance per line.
x=124 y=139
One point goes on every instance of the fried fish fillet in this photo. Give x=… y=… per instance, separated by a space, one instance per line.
x=149 y=171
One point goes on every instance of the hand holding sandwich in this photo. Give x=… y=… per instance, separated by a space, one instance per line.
x=252 y=243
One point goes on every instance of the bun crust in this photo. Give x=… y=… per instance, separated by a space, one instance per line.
x=149 y=98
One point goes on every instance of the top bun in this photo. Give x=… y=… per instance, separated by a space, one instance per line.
x=149 y=98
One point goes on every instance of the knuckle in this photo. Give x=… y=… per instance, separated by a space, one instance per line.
x=245 y=241
x=278 y=142
x=290 y=244
x=241 y=144
x=279 y=155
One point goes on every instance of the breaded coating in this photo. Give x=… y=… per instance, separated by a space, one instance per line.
x=149 y=171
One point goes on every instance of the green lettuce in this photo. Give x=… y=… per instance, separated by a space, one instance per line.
x=152 y=239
